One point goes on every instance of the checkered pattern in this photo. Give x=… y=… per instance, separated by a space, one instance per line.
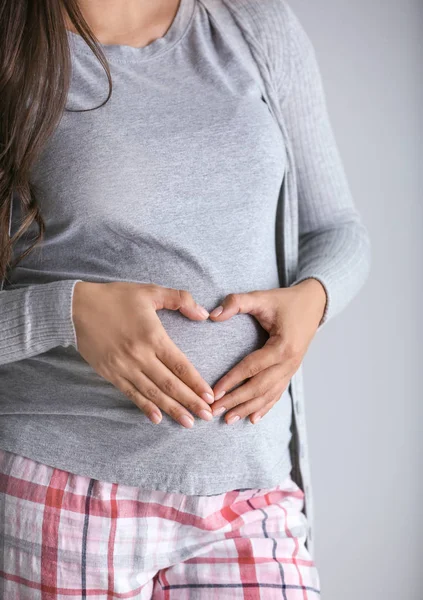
x=67 y=537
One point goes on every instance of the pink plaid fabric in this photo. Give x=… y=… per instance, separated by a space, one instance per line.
x=66 y=537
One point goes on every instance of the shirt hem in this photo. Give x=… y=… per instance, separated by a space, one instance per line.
x=161 y=481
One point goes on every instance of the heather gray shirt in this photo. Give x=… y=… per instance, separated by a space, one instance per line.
x=174 y=181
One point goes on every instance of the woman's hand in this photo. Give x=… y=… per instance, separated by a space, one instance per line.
x=121 y=336
x=291 y=316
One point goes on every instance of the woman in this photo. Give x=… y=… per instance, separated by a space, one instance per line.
x=144 y=436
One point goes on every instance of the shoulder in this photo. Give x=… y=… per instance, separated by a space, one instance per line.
x=277 y=30
x=268 y=20
x=262 y=11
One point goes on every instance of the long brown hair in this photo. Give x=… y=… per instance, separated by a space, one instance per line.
x=35 y=74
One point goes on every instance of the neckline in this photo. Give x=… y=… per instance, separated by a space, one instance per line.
x=130 y=54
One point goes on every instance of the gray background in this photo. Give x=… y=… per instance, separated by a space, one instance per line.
x=362 y=372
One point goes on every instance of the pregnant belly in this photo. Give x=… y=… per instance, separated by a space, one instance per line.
x=214 y=347
x=62 y=382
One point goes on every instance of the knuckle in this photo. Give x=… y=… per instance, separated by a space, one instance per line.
x=269 y=399
x=232 y=298
x=150 y=288
x=194 y=405
x=153 y=287
x=279 y=351
x=185 y=297
x=296 y=358
x=158 y=339
x=180 y=368
x=252 y=369
x=130 y=393
x=260 y=392
x=168 y=387
x=110 y=360
x=109 y=367
x=189 y=404
x=130 y=346
x=108 y=374
x=291 y=351
x=152 y=393
x=175 y=413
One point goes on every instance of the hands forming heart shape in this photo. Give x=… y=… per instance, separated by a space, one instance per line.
x=119 y=333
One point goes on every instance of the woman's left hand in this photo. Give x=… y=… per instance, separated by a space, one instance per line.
x=291 y=316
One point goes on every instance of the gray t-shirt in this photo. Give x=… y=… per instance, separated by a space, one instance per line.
x=174 y=181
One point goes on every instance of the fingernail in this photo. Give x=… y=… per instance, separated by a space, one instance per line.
x=206 y=415
x=208 y=397
x=202 y=311
x=216 y=312
x=256 y=418
x=219 y=411
x=233 y=419
x=186 y=421
x=155 y=417
x=220 y=395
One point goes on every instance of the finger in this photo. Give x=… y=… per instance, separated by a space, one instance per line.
x=250 y=366
x=247 y=408
x=267 y=382
x=131 y=392
x=148 y=389
x=234 y=304
x=167 y=404
x=176 y=361
x=173 y=387
x=258 y=414
x=182 y=300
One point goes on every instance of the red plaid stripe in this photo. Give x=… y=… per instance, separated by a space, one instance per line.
x=67 y=537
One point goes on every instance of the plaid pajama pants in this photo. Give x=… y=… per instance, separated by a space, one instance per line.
x=65 y=537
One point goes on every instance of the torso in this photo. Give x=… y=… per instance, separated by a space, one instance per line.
x=174 y=181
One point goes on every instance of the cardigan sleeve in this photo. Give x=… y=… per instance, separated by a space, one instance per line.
x=35 y=319
x=334 y=243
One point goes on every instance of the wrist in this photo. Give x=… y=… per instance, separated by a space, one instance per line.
x=77 y=298
x=317 y=292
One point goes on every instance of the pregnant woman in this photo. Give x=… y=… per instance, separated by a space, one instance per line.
x=147 y=342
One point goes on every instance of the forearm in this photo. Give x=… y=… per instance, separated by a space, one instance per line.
x=339 y=258
x=334 y=244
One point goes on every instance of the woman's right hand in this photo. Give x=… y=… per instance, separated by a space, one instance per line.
x=121 y=336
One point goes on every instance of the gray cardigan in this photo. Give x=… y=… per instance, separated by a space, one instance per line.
x=319 y=236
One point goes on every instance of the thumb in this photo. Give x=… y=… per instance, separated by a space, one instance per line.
x=234 y=304
x=182 y=300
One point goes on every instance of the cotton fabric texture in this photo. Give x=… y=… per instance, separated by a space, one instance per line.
x=174 y=181
x=289 y=215
x=66 y=535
